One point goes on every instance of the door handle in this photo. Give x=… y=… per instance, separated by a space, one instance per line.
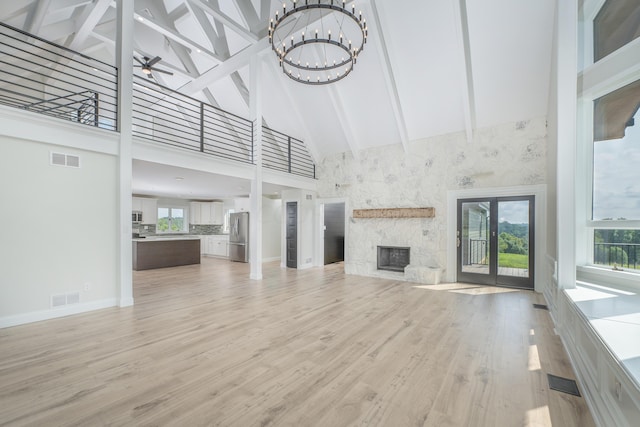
x=457 y=242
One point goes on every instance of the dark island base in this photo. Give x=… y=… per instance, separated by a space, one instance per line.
x=165 y=253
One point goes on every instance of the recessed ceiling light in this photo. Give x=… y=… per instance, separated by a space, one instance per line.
x=198 y=50
x=179 y=178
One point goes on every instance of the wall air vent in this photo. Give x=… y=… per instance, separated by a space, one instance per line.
x=61 y=300
x=61 y=159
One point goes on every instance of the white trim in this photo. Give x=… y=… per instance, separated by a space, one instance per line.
x=624 y=279
x=271 y=259
x=612 y=72
x=37 y=316
x=27 y=125
x=540 y=194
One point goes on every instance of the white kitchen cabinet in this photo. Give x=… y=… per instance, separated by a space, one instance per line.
x=217 y=213
x=206 y=213
x=148 y=207
x=149 y=211
x=216 y=245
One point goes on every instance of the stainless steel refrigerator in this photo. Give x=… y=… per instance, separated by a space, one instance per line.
x=239 y=237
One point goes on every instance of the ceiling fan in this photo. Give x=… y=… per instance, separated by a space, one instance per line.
x=146 y=65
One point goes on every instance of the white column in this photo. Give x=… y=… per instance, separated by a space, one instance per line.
x=567 y=149
x=124 y=59
x=255 y=217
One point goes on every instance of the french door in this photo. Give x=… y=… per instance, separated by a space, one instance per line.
x=495 y=241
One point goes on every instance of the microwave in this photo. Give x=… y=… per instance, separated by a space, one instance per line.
x=136 y=217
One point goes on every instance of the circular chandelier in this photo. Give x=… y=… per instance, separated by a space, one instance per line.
x=317 y=42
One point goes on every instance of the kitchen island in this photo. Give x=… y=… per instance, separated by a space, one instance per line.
x=160 y=252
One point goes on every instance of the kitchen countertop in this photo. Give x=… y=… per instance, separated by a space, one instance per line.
x=165 y=238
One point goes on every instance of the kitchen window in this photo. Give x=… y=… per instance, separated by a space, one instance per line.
x=171 y=220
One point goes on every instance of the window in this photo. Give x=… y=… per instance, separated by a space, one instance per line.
x=171 y=220
x=616 y=187
x=609 y=127
x=617 y=24
x=616 y=155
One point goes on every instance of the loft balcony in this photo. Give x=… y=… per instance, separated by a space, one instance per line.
x=43 y=77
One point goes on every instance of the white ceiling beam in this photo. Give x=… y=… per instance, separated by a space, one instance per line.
x=248 y=13
x=60 y=5
x=389 y=78
x=87 y=22
x=300 y=119
x=341 y=113
x=13 y=10
x=265 y=10
x=234 y=63
x=175 y=36
x=36 y=16
x=219 y=46
x=468 y=94
x=227 y=21
x=140 y=52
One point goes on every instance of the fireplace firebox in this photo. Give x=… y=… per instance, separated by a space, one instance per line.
x=393 y=258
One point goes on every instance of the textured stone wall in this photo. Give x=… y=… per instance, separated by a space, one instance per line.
x=513 y=154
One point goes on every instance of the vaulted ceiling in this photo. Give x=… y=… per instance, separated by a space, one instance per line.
x=430 y=67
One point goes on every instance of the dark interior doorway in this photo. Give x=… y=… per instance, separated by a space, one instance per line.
x=333 y=233
x=292 y=234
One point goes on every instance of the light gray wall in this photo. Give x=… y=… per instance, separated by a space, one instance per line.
x=59 y=228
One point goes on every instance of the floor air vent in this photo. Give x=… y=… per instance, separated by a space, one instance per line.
x=541 y=306
x=61 y=159
x=564 y=385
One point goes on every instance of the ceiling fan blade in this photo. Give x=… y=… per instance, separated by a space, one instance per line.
x=153 y=61
x=162 y=71
x=138 y=60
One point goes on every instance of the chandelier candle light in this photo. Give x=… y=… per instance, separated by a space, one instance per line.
x=317 y=42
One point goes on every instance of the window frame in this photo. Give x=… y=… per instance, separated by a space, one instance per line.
x=185 y=222
x=594 y=81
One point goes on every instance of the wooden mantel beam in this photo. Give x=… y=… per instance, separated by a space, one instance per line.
x=395 y=213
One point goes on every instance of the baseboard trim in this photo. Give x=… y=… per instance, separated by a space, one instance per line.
x=275 y=258
x=37 y=316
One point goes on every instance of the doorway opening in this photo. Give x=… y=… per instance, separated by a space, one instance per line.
x=292 y=234
x=333 y=232
x=495 y=241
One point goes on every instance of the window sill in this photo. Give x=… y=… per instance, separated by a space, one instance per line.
x=614 y=315
x=624 y=279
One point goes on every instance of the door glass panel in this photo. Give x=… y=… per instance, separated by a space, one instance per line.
x=475 y=237
x=513 y=238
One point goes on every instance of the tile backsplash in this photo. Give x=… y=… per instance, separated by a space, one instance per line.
x=205 y=229
x=195 y=229
x=145 y=229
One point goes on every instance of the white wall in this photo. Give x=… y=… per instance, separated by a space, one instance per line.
x=271 y=228
x=512 y=154
x=59 y=230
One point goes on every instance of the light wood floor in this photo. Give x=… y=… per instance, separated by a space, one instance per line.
x=206 y=346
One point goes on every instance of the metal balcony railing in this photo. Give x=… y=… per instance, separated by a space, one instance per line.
x=168 y=117
x=285 y=153
x=624 y=255
x=46 y=78
x=478 y=252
